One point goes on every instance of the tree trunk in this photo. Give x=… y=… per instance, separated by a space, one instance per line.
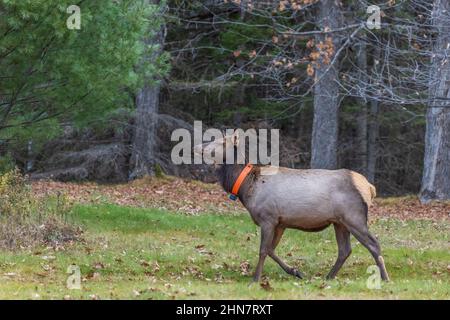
x=373 y=125
x=372 y=141
x=362 y=142
x=142 y=159
x=436 y=172
x=326 y=95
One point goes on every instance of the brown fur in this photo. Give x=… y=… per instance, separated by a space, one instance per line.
x=367 y=190
x=227 y=175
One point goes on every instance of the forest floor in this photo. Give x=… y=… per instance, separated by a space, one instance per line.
x=193 y=197
x=175 y=239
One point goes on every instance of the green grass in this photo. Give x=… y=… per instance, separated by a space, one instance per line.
x=149 y=254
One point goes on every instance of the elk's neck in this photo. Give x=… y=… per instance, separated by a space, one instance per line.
x=228 y=174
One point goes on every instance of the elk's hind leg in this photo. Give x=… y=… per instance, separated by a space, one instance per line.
x=371 y=243
x=276 y=239
x=344 y=249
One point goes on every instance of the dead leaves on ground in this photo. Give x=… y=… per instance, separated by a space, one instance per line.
x=183 y=196
x=245 y=268
x=265 y=284
x=194 y=197
x=409 y=208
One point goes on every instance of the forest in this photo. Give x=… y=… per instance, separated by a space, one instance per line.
x=92 y=91
x=344 y=95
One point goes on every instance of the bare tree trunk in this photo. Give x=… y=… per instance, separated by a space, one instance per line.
x=373 y=125
x=436 y=172
x=326 y=96
x=361 y=61
x=147 y=104
x=372 y=141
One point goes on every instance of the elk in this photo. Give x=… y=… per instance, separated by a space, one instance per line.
x=308 y=200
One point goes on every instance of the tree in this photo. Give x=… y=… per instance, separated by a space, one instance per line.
x=373 y=124
x=326 y=90
x=147 y=102
x=436 y=173
x=50 y=73
x=362 y=137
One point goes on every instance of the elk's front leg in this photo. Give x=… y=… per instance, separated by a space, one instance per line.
x=267 y=234
x=288 y=269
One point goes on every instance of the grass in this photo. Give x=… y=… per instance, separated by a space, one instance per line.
x=133 y=253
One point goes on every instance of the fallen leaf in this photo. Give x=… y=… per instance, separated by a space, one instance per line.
x=265 y=284
x=245 y=267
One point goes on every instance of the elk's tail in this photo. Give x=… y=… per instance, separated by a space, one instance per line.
x=367 y=190
x=373 y=191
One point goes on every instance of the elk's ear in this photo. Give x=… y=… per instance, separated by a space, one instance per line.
x=235 y=138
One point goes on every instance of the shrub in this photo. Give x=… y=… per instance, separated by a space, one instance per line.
x=26 y=220
x=6 y=163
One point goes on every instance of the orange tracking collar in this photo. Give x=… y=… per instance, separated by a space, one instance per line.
x=244 y=173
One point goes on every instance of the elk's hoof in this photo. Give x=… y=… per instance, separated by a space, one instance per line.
x=330 y=277
x=297 y=273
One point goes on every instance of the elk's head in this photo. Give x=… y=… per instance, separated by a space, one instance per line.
x=215 y=152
